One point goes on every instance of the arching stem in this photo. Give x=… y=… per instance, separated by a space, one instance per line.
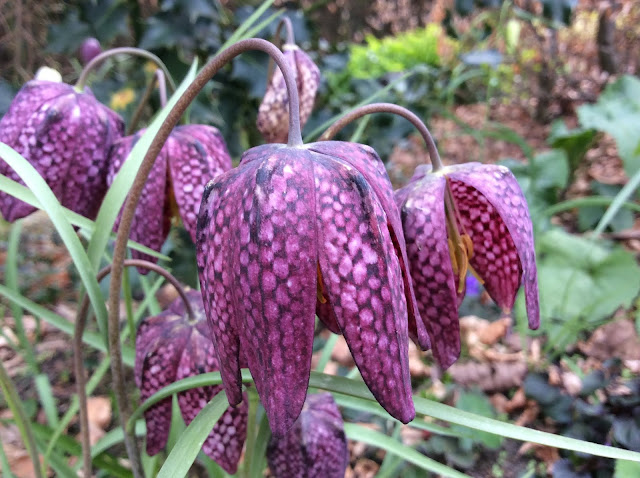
x=291 y=41
x=78 y=331
x=84 y=74
x=159 y=79
x=354 y=114
x=128 y=211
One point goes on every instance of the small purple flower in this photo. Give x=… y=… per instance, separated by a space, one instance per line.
x=89 y=49
x=297 y=230
x=315 y=447
x=192 y=155
x=66 y=136
x=273 y=114
x=170 y=347
x=470 y=217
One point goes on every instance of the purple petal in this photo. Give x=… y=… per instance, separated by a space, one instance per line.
x=197 y=154
x=423 y=216
x=363 y=282
x=273 y=116
x=66 y=136
x=368 y=163
x=500 y=187
x=495 y=257
x=316 y=446
x=158 y=369
x=325 y=313
x=151 y=222
x=224 y=443
x=218 y=235
x=308 y=80
x=277 y=282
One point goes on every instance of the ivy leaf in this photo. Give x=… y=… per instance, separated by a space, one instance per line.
x=617 y=113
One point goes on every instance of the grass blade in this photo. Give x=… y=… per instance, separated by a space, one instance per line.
x=18 y=191
x=185 y=451
x=52 y=206
x=379 y=440
x=621 y=198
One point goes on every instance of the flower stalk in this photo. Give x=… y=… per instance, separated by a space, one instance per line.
x=89 y=67
x=361 y=111
x=159 y=79
x=128 y=212
x=80 y=323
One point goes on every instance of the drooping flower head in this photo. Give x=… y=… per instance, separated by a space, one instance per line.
x=66 y=136
x=192 y=155
x=273 y=115
x=297 y=230
x=315 y=447
x=470 y=217
x=169 y=347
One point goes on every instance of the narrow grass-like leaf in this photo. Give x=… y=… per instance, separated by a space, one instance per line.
x=263 y=24
x=377 y=439
x=239 y=32
x=327 y=350
x=18 y=191
x=185 y=451
x=115 y=437
x=4 y=464
x=258 y=462
x=423 y=406
x=623 y=195
x=117 y=193
x=586 y=202
x=62 y=324
x=52 y=206
x=48 y=401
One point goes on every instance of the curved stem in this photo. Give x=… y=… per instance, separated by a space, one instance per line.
x=160 y=79
x=356 y=113
x=286 y=21
x=84 y=74
x=128 y=211
x=78 y=331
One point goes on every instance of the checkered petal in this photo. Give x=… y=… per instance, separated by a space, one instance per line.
x=66 y=136
x=316 y=446
x=196 y=154
x=497 y=215
x=421 y=206
x=151 y=222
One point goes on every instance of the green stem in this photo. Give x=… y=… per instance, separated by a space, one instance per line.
x=361 y=111
x=252 y=431
x=84 y=74
x=160 y=79
x=15 y=405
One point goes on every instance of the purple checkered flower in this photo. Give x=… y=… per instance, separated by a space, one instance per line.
x=192 y=155
x=170 y=347
x=273 y=114
x=66 y=136
x=315 y=447
x=295 y=231
x=470 y=217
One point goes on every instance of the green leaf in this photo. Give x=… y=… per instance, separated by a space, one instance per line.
x=18 y=191
x=625 y=469
x=185 y=451
x=575 y=142
x=356 y=388
x=52 y=206
x=624 y=194
x=617 y=113
x=476 y=402
x=117 y=193
x=377 y=439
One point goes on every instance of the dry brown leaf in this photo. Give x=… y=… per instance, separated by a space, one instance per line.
x=615 y=339
x=99 y=411
x=529 y=414
x=489 y=376
x=494 y=331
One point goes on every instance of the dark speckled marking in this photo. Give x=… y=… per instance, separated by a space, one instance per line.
x=66 y=136
x=316 y=446
x=168 y=348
